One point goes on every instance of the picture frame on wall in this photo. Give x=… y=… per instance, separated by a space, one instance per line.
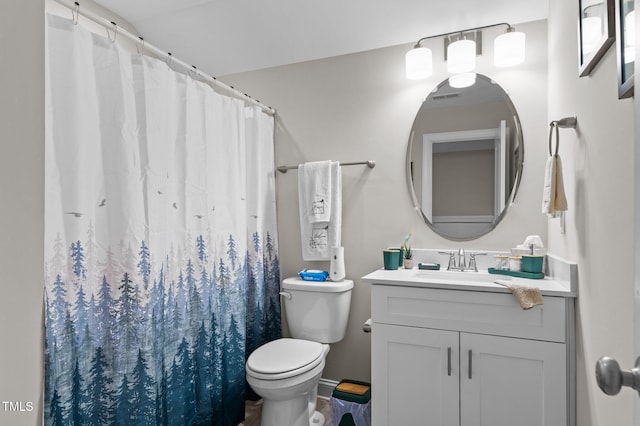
x=596 y=32
x=625 y=46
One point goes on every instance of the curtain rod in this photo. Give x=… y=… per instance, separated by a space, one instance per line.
x=75 y=11
x=370 y=163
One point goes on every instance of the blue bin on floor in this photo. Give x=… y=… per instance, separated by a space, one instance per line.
x=351 y=404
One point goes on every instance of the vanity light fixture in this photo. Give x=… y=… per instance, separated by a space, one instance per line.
x=508 y=48
x=419 y=63
x=461 y=52
x=461 y=56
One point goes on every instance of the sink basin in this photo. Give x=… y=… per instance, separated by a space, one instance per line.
x=459 y=276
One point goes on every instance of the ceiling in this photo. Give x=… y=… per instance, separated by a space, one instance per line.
x=229 y=36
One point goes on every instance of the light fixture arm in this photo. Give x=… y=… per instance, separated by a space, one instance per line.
x=418 y=43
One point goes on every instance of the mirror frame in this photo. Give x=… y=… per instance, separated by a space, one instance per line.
x=516 y=182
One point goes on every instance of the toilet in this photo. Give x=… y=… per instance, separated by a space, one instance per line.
x=285 y=372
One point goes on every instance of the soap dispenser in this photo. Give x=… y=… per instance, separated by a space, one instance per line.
x=336 y=268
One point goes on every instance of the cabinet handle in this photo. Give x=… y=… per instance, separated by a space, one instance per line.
x=448 y=361
x=470 y=363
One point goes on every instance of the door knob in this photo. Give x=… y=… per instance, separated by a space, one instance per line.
x=611 y=378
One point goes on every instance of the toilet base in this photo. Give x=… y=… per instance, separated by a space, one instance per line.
x=291 y=412
x=280 y=414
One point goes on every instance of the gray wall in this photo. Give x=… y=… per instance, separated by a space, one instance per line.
x=599 y=180
x=21 y=212
x=359 y=107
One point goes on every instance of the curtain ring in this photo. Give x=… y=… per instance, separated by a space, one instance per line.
x=193 y=71
x=115 y=32
x=140 y=47
x=552 y=125
x=169 y=60
x=75 y=13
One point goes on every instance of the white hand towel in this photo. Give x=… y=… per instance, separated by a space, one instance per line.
x=314 y=191
x=561 y=198
x=553 y=196
x=318 y=237
x=549 y=188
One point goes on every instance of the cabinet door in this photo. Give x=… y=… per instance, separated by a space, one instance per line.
x=415 y=376
x=508 y=381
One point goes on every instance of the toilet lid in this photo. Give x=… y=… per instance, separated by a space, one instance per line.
x=282 y=355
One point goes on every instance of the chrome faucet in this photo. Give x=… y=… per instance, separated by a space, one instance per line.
x=462 y=261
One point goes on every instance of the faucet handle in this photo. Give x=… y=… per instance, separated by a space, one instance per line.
x=472 y=260
x=477 y=253
x=452 y=259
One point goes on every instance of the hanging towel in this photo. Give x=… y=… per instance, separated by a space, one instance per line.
x=561 y=198
x=318 y=237
x=315 y=191
x=554 y=199
x=527 y=297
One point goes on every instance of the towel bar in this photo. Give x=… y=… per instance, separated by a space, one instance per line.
x=370 y=163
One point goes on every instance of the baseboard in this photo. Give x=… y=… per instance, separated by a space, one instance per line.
x=325 y=388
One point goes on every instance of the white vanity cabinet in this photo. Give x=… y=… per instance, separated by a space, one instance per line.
x=445 y=357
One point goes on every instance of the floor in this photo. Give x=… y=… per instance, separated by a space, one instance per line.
x=253 y=409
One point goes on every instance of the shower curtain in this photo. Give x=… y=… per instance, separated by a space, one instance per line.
x=161 y=252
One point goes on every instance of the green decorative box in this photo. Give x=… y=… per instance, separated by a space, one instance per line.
x=532 y=263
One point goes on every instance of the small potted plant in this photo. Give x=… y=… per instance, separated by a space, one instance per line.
x=408 y=258
x=407 y=262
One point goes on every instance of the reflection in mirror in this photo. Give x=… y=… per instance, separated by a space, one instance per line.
x=464 y=158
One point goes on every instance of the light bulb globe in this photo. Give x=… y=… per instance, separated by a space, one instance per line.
x=508 y=49
x=461 y=56
x=418 y=63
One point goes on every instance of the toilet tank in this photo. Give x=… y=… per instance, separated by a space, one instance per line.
x=317 y=310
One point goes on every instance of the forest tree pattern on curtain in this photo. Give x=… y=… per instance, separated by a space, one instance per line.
x=162 y=271
x=176 y=335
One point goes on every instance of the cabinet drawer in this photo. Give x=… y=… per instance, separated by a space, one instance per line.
x=471 y=311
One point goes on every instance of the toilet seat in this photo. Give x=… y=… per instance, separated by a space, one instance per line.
x=284 y=358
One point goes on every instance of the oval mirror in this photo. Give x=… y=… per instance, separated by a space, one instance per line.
x=464 y=159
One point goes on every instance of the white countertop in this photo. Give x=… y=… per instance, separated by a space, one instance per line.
x=468 y=280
